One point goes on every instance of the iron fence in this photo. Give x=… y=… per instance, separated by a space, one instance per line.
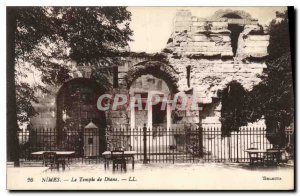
x=88 y=144
x=151 y=145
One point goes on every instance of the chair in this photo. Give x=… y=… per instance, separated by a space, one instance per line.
x=50 y=160
x=118 y=158
x=273 y=157
x=61 y=160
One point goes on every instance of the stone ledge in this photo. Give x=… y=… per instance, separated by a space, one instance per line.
x=259 y=37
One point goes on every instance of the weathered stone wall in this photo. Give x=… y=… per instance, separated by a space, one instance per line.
x=205 y=46
x=47 y=105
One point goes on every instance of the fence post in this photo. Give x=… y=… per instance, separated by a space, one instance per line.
x=200 y=140
x=145 y=143
x=229 y=148
x=200 y=131
x=237 y=146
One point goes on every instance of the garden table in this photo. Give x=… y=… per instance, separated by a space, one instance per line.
x=60 y=155
x=254 y=154
x=127 y=154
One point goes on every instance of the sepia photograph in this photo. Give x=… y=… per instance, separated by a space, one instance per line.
x=150 y=98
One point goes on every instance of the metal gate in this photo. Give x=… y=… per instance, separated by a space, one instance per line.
x=157 y=145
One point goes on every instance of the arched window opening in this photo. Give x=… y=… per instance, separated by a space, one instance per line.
x=234 y=36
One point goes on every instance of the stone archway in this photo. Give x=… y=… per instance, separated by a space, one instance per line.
x=229 y=13
x=159 y=70
x=240 y=25
x=155 y=68
x=76 y=93
x=76 y=103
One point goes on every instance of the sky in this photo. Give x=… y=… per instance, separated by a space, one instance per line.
x=152 y=26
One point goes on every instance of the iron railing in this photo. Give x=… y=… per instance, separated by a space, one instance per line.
x=152 y=145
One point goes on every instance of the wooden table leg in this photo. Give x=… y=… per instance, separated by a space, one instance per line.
x=57 y=166
x=106 y=163
x=68 y=163
x=63 y=165
x=132 y=162
x=251 y=160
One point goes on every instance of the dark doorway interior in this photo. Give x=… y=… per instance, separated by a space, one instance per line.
x=159 y=120
x=159 y=117
x=234 y=36
x=77 y=107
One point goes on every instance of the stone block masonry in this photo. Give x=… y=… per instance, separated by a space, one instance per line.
x=201 y=57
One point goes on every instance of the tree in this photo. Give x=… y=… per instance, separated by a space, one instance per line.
x=279 y=36
x=273 y=97
x=233 y=111
x=276 y=89
x=47 y=39
x=25 y=28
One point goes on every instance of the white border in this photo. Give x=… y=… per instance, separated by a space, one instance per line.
x=110 y=3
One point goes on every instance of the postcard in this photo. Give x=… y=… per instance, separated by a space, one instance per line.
x=150 y=98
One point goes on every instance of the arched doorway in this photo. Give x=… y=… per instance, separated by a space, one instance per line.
x=154 y=114
x=76 y=108
x=155 y=68
x=145 y=81
x=148 y=79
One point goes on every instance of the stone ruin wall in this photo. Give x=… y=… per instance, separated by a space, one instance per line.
x=204 y=45
x=47 y=106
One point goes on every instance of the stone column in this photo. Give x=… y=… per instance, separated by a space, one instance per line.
x=200 y=130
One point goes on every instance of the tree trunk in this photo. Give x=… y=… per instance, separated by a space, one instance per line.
x=12 y=125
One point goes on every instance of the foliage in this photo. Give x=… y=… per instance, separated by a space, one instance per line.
x=93 y=32
x=272 y=98
x=24 y=98
x=279 y=36
x=49 y=39
x=233 y=110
